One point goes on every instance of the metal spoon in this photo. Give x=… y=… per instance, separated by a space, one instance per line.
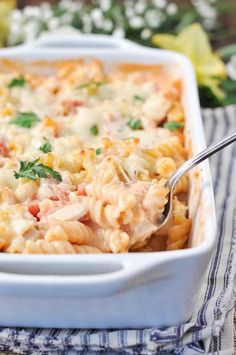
x=188 y=165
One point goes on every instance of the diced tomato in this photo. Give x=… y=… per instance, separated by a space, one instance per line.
x=54 y=198
x=34 y=208
x=60 y=196
x=4 y=151
x=70 y=106
x=81 y=191
x=77 y=103
x=85 y=218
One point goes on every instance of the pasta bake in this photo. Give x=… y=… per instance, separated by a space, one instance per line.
x=85 y=152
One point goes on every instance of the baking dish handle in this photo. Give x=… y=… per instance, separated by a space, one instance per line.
x=46 y=279
x=53 y=40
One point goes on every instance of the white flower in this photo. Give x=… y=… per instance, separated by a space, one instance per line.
x=129 y=11
x=160 y=3
x=136 y=22
x=205 y=9
x=231 y=68
x=45 y=12
x=139 y=7
x=146 y=33
x=87 y=23
x=53 y=23
x=97 y=17
x=119 y=32
x=208 y=23
x=70 y=5
x=153 y=18
x=66 y=19
x=65 y=3
x=96 y=14
x=30 y=30
x=107 y=25
x=99 y=23
x=75 y=6
x=31 y=11
x=172 y=9
x=105 y=5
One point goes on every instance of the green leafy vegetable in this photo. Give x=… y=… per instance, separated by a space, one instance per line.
x=94 y=130
x=91 y=83
x=207 y=97
x=46 y=147
x=139 y=98
x=227 y=51
x=25 y=119
x=229 y=85
x=92 y=87
x=17 y=82
x=134 y=124
x=173 y=125
x=98 y=151
x=33 y=171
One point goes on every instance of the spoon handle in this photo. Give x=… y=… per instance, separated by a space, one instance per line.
x=195 y=160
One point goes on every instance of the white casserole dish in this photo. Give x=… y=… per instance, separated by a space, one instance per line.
x=133 y=290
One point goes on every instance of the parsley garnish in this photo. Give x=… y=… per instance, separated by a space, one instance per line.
x=91 y=83
x=17 y=82
x=173 y=125
x=94 y=130
x=25 y=119
x=134 y=124
x=138 y=98
x=92 y=87
x=98 y=151
x=33 y=171
x=46 y=147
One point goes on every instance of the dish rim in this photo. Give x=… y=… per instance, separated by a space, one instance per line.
x=162 y=56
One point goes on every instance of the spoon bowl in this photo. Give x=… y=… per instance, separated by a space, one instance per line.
x=187 y=166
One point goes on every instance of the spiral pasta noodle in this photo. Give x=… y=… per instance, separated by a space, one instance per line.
x=85 y=154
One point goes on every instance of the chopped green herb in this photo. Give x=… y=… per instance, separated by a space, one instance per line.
x=173 y=125
x=91 y=83
x=46 y=147
x=17 y=82
x=25 y=119
x=138 y=98
x=94 y=130
x=33 y=171
x=98 y=151
x=134 y=124
x=92 y=87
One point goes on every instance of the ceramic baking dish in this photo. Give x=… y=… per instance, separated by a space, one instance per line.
x=133 y=290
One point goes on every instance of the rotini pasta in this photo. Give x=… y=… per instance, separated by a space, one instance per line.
x=85 y=155
x=57 y=247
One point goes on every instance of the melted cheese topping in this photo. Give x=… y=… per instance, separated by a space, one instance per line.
x=103 y=128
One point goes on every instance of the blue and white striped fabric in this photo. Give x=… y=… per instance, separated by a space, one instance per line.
x=210 y=329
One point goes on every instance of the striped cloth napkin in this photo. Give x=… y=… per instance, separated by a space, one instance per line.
x=210 y=330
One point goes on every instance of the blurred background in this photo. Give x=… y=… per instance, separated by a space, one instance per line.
x=191 y=27
x=132 y=17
